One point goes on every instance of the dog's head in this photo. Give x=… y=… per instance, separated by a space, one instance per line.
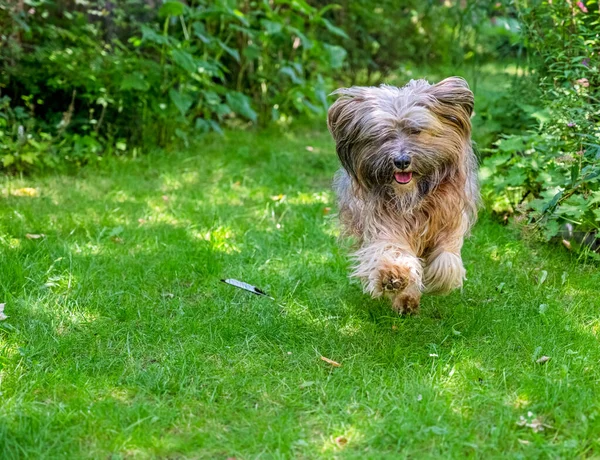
x=403 y=140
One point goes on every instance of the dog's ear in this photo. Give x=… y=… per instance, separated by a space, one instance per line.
x=453 y=100
x=454 y=91
x=342 y=112
x=343 y=118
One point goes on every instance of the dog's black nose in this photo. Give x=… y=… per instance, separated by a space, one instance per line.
x=402 y=161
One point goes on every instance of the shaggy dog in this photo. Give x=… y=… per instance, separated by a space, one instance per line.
x=407 y=189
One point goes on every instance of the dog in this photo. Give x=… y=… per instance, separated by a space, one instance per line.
x=407 y=190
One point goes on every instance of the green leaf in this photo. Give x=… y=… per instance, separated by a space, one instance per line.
x=7 y=160
x=222 y=109
x=211 y=98
x=232 y=52
x=240 y=104
x=252 y=52
x=336 y=55
x=184 y=60
x=171 y=8
x=322 y=97
x=135 y=81
x=182 y=101
x=292 y=74
x=552 y=203
x=271 y=27
x=216 y=127
x=334 y=29
x=550 y=229
x=202 y=125
x=151 y=36
x=200 y=32
x=511 y=144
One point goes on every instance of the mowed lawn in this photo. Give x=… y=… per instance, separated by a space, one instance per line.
x=122 y=342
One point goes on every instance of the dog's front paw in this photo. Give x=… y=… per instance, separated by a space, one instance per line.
x=407 y=302
x=393 y=277
x=393 y=282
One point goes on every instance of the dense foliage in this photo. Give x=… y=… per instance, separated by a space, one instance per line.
x=387 y=36
x=83 y=79
x=551 y=174
x=89 y=77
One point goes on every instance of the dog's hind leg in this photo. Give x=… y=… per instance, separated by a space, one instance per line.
x=390 y=269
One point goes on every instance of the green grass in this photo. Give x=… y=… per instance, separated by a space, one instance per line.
x=122 y=342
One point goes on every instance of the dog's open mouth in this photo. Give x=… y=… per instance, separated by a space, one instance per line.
x=403 y=177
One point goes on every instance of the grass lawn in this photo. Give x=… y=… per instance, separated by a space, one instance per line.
x=122 y=342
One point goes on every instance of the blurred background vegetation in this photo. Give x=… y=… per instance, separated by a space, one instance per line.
x=82 y=80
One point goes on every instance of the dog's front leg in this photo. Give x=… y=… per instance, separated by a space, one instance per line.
x=390 y=269
x=444 y=270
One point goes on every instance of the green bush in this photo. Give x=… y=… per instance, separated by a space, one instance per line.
x=551 y=175
x=388 y=35
x=100 y=77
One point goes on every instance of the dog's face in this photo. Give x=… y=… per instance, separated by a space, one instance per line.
x=402 y=140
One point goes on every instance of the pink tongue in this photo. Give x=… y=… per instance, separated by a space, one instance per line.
x=403 y=177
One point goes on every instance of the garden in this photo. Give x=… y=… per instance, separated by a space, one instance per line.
x=150 y=149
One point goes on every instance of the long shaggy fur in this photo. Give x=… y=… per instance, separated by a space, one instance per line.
x=409 y=234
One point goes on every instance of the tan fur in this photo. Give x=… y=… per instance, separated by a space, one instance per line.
x=409 y=235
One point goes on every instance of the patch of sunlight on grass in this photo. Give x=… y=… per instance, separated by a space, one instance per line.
x=159 y=213
x=351 y=329
x=189 y=177
x=506 y=68
x=70 y=318
x=88 y=249
x=311 y=198
x=219 y=239
x=11 y=243
x=120 y=196
x=8 y=352
x=518 y=401
x=122 y=395
x=170 y=183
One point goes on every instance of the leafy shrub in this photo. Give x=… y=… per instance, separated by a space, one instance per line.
x=551 y=175
x=95 y=77
x=386 y=35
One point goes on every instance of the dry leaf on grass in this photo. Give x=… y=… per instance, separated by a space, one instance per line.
x=341 y=441
x=330 y=361
x=543 y=360
x=34 y=236
x=2 y=315
x=25 y=191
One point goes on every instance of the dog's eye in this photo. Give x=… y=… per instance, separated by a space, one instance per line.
x=413 y=131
